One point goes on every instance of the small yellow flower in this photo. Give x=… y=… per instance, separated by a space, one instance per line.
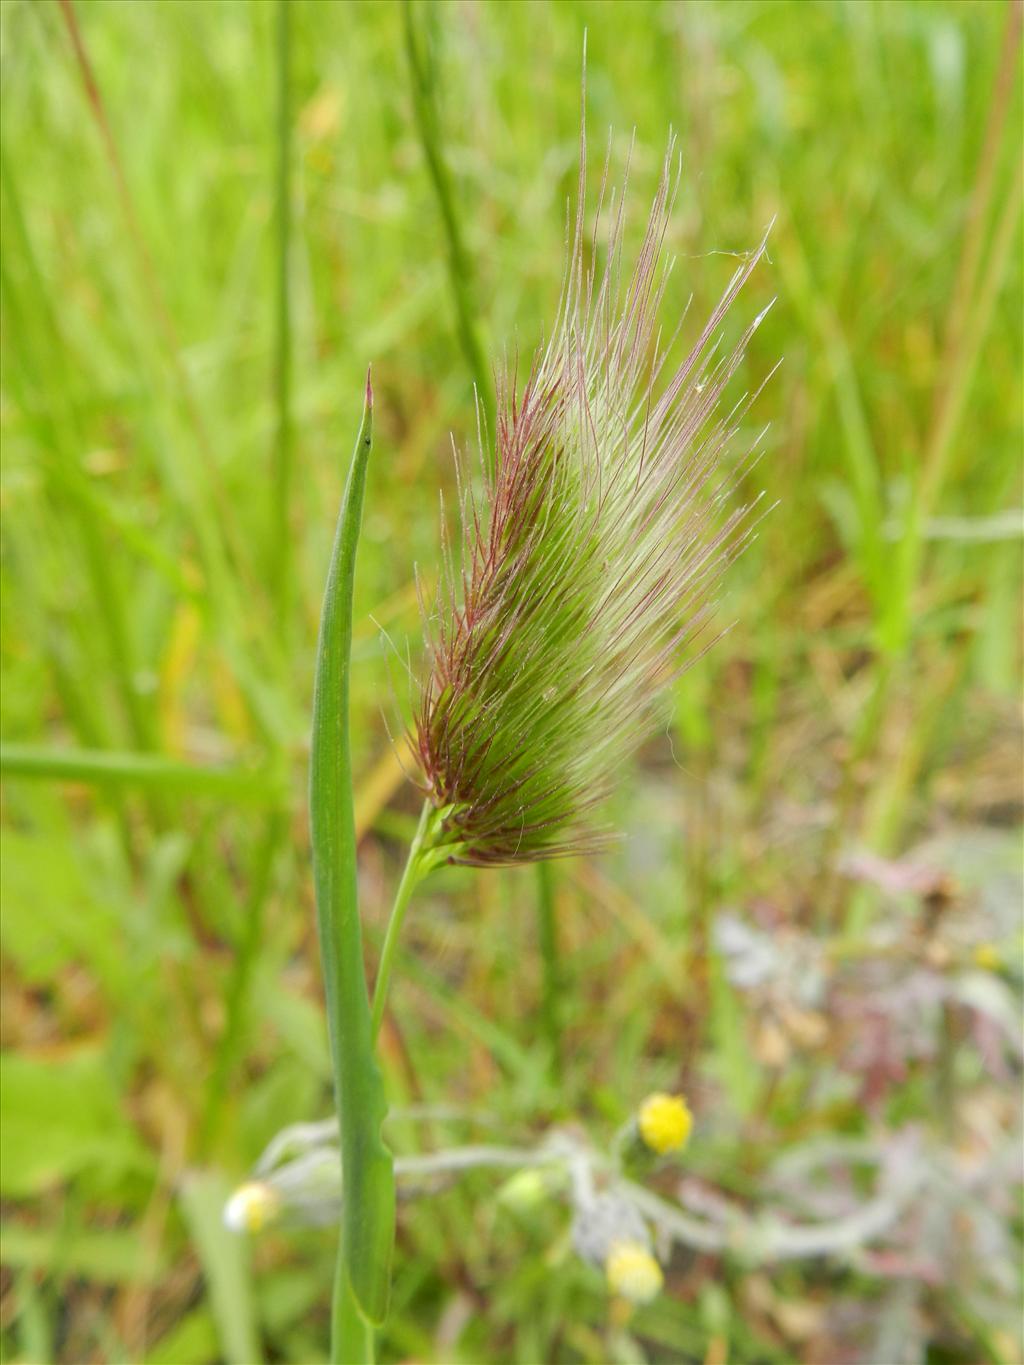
x=252 y=1207
x=633 y=1272
x=665 y=1122
x=988 y=957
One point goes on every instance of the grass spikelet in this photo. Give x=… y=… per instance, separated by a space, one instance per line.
x=587 y=580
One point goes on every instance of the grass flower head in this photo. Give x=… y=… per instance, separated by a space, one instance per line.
x=587 y=579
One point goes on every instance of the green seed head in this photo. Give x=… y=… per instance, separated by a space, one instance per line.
x=587 y=579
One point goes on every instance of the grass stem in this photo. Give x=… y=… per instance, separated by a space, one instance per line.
x=551 y=985
x=352 y=1338
x=460 y=274
x=282 y=480
x=415 y=870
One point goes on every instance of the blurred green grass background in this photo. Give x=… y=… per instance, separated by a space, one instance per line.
x=165 y=540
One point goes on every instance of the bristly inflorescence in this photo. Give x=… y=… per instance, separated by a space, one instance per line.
x=587 y=580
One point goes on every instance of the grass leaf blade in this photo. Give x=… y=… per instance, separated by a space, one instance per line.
x=369 y=1204
x=225 y=1261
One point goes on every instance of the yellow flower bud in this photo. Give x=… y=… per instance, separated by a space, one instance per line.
x=252 y=1207
x=633 y=1272
x=665 y=1122
x=987 y=956
x=524 y=1191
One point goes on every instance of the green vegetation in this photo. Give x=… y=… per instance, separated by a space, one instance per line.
x=215 y=216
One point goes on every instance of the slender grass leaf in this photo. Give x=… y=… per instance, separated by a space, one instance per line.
x=224 y=1258
x=369 y=1209
x=115 y=768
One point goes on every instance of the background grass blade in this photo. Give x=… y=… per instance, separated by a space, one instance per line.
x=281 y=483
x=113 y=768
x=459 y=271
x=243 y=968
x=225 y=1265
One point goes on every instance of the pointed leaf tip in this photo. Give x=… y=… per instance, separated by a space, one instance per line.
x=369 y=390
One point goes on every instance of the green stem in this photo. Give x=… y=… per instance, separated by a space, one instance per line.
x=368 y=1212
x=352 y=1338
x=459 y=272
x=416 y=868
x=547 y=932
x=282 y=365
